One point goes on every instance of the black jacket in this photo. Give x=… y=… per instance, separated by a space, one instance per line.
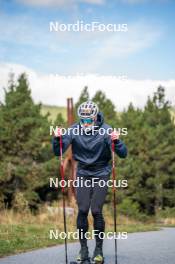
x=92 y=151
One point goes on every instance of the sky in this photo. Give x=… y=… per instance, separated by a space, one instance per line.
x=144 y=54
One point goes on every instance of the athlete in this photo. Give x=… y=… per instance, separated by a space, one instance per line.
x=91 y=148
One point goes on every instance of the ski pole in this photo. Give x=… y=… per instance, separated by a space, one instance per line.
x=63 y=191
x=114 y=198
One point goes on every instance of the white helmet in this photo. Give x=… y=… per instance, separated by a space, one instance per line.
x=87 y=109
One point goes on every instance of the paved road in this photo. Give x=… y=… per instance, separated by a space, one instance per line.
x=157 y=247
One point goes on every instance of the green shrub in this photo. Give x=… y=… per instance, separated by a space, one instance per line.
x=129 y=208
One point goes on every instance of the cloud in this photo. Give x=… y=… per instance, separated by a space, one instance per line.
x=140 y=36
x=142 y=1
x=58 y=3
x=19 y=34
x=99 y=2
x=134 y=1
x=18 y=40
x=63 y=3
x=49 y=89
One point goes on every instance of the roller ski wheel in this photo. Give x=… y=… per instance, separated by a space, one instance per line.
x=87 y=261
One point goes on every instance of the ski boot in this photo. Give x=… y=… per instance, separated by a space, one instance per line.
x=83 y=257
x=98 y=256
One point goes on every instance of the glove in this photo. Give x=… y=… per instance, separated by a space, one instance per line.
x=115 y=136
x=57 y=134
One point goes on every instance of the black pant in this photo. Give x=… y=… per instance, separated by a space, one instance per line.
x=91 y=197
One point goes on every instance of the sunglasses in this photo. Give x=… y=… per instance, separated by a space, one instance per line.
x=86 y=120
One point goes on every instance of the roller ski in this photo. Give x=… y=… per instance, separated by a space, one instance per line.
x=82 y=262
x=86 y=261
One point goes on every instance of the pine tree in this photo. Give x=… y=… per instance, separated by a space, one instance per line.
x=84 y=96
x=106 y=106
x=161 y=180
x=149 y=167
x=25 y=144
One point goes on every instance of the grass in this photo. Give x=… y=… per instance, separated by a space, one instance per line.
x=21 y=232
x=54 y=110
x=17 y=238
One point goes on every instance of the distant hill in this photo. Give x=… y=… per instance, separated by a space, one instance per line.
x=54 y=110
